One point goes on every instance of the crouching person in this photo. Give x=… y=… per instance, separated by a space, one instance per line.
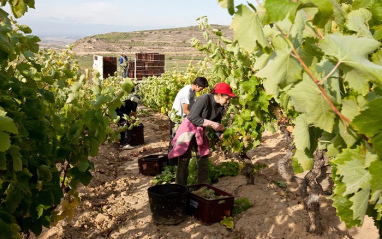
x=128 y=108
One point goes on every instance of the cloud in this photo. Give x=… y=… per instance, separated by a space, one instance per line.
x=84 y=13
x=99 y=16
x=124 y=12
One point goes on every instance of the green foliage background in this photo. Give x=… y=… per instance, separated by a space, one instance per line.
x=318 y=62
x=52 y=119
x=313 y=63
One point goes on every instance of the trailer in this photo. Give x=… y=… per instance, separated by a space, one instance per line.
x=105 y=65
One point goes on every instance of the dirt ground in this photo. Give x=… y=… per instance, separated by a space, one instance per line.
x=115 y=204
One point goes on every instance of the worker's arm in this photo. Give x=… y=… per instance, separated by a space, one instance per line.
x=186 y=109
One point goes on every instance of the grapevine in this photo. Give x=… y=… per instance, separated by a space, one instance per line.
x=158 y=93
x=317 y=63
x=52 y=121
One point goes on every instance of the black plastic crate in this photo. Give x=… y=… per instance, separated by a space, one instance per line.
x=152 y=165
x=209 y=211
x=137 y=135
x=168 y=203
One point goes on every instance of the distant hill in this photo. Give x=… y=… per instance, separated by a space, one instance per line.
x=58 y=42
x=172 y=41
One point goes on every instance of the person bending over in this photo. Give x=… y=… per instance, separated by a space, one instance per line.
x=191 y=134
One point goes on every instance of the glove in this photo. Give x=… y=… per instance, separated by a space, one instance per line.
x=216 y=126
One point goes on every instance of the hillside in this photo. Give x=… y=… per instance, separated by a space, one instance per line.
x=172 y=41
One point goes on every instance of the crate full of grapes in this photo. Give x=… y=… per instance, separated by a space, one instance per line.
x=209 y=204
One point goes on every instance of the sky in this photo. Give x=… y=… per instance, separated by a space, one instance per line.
x=79 y=18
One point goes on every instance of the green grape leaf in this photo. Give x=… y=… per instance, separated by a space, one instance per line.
x=375 y=196
x=348 y=134
x=94 y=146
x=5 y=141
x=248 y=29
x=357 y=4
x=4 y=42
x=57 y=193
x=9 y=230
x=351 y=165
x=307 y=98
x=324 y=140
x=369 y=122
x=370 y=158
x=101 y=99
x=29 y=3
x=332 y=84
x=288 y=69
x=25 y=29
x=229 y=4
x=377 y=33
x=350 y=108
x=36 y=228
x=301 y=133
x=128 y=85
x=44 y=173
x=343 y=205
x=339 y=13
x=325 y=11
x=7 y=125
x=3 y=161
x=227 y=222
x=78 y=176
x=342 y=48
x=277 y=10
x=47 y=95
x=375 y=170
x=45 y=198
x=246 y=115
x=19 y=8
x=83 y=164
x=377 y=144
x=13 y=198
x=358 y=22
x=360 y=202
x=32 y=42
x=304 y=159
x=14 y=151
x=376 y=10
x=296 y=166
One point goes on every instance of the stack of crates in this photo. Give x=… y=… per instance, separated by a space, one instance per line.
x=147 y=64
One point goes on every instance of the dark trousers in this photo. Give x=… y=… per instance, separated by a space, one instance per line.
x=172 y=135
x=125 y=137
x=184 y=160
x=124 y=72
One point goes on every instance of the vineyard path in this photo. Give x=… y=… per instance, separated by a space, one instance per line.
x=115 y=203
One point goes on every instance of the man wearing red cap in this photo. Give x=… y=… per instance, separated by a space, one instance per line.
x=207 y=111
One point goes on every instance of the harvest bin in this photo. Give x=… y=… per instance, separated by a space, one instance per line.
x=137 y=136
x=153 y=164
x=209 y=211
x=168 y=203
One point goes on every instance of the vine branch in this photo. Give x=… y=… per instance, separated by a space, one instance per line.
x=310 y=73
x=330 y=73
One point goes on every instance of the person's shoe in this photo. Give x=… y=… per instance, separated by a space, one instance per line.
x=127 y=146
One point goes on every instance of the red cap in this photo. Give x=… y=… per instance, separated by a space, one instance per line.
x=224 y=88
